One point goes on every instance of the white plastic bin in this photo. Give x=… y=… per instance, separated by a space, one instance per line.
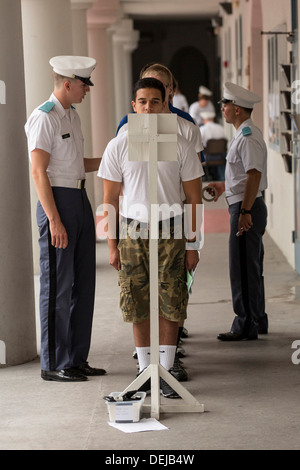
x=125 y=411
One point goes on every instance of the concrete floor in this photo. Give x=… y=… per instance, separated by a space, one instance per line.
x=250 y=390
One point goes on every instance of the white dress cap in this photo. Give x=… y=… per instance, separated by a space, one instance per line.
x=208 y=115
x=239 y=95
x=74 y=67
x=204 y=91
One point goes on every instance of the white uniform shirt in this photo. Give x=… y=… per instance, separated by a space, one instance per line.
x=135 y=183
x=196 y=110
x=60 y=136
x=211 y=130
x=247 y=151
x=180 y=102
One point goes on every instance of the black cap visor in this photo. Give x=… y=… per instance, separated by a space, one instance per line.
x=224 y=101
x=85 y=80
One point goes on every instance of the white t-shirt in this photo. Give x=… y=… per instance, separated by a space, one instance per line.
x=190 y=132
x=187 y=129
x=61 y=136
x=135 y=178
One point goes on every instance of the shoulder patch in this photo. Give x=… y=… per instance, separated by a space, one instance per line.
x=247 y=131
x=47 y=107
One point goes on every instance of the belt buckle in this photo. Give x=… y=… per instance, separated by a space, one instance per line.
x=80 y=184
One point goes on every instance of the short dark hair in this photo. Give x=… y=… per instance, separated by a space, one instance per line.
x=149 y=83
x=248 y=110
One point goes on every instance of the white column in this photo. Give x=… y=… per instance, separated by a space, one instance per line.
x=47 y=32
x=99 y=19
x=129 y=47
x=17 y=319
x=80 y=47
x=124 y=41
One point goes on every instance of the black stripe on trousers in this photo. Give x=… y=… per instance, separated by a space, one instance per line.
x=244 y=281
x=52 y=303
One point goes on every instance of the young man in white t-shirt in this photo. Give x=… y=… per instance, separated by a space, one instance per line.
x=131 y=255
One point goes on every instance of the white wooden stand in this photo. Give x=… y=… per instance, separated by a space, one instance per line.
x=153 y=138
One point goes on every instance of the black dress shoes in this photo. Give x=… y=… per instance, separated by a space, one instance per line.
x=89 y=371
x=234 y=337
x=64 y=375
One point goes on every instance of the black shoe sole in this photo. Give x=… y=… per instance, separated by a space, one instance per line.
x=92 y=374
x=232 y=340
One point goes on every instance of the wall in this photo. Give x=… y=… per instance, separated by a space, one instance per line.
x=280 y=193
x=249 y=68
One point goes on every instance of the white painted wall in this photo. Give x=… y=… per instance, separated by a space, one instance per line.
x=280 y=192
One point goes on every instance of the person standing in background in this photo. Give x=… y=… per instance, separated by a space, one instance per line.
x=202 y=105
x=211 y=130
x=179 y=100
x=245 y=181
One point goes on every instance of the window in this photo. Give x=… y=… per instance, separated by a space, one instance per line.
x=273 y=102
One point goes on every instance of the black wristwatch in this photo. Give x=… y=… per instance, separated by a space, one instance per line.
x=244 y=211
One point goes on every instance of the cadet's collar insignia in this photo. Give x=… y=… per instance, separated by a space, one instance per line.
x=47 y=107
x=246 y=131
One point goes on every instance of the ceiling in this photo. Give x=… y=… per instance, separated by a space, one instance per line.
x=170 y=9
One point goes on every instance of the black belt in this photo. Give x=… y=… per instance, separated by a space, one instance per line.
x=144 y=225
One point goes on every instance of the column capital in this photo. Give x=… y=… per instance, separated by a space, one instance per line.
x=124 y=33
x=103 y=13
x=81 y=4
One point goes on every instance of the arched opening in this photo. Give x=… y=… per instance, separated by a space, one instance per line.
x=190 y=68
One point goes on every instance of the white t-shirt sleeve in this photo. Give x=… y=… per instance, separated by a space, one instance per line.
x=110 y=168
x=191 y=167
x=199 y=144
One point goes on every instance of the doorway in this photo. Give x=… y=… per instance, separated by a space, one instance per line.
x=190 y=69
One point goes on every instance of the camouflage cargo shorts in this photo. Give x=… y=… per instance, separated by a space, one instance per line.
x=134 y=273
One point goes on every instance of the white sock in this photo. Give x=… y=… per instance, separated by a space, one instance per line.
x=143 y=354
x=167 y=355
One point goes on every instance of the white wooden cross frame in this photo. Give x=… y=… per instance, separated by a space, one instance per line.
x=153 y=138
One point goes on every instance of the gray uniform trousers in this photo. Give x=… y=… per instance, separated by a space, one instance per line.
x=246 y=254
x=67 y=282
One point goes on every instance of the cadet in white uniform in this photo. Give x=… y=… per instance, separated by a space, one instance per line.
x=210 y=128
x=245 y=181
x=213 y=130
x=203 y=104
x=66 y=223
